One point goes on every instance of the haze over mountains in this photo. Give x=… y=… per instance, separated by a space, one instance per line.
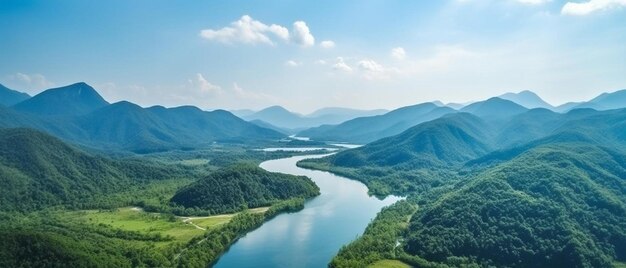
x=79 y=114
x=282 y=118
x=504 y=186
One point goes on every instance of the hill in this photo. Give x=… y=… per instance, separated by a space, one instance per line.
x=127 y=126
x=8 y=97
x=367 y=129
x=557 y=205
x=282 y=118
x=527 y=99
x=39 y=171
x=536 y=189
x=72 y=100
x=606 y=101
x=242 y=186
x=494 y=108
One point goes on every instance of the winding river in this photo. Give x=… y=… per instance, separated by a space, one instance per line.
x=310 y=237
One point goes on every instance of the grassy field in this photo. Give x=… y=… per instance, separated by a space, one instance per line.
x=389 y=264
x=181 y=229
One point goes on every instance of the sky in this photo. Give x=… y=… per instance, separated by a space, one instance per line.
x=308 y=55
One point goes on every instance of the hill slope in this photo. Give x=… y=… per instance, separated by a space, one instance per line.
x=38 y=171
x=8 y=97
x=527 y=99
x=367 y=129
x=243 y=186
x=75 y=99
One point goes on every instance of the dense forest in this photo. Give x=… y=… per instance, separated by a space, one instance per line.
x=242 y=186
x=52 y=193
x=534 y=189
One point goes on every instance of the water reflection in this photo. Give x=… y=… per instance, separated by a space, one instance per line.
x=311 y=237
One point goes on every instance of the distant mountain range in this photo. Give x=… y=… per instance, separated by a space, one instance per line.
x=290 y=121
x=77 y=113
x=368 y=129
x=503 y=186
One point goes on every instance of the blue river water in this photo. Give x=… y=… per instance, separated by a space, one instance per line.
x=313 y=236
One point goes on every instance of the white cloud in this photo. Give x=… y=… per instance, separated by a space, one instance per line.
x=241 y=93
x=584 y=8
x=204 y=86
x=30 y=83
x=247 y=30
x=321 y=62
x=370 y=66
x=341 y=65
x=327 y=44
x=398 y=53
x=302 y=35
x=533 y=2
x=292 y=63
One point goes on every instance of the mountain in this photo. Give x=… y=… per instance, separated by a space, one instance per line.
x=267 y=125
x=284 y=119
x=535 y=189
x=557 y=205
x=367 y=129
x=278 y=116
x=563 y=108
x=39 y=171
x=527 y=99
x=339 y=114
x=494 y=108
x=72 y=100
x=451 y=139
x=243 y=186
x=9 y=97
x=127 y=126
x=606 y=101
x=242 y=112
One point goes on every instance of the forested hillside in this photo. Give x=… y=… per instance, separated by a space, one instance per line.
x=536 y=189
x=243 y=186
x=39 y=171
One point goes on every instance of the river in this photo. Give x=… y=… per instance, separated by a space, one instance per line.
x=313 y=236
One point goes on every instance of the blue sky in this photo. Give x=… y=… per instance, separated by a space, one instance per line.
x=377 y=54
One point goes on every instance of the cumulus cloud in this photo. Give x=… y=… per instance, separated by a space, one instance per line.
x=292 y=63
x=370 y=66
x=341 y=65
x=302 y=35
x=30 y=83
x=584 y=8
x=327 y=44
x=398 y=53
x=204 y=86
x=247 y=30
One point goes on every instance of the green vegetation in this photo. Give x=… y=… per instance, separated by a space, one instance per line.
x=389 y=264
x=534 y=189
x=39 y=171
x=238 y=187
x=380 y=239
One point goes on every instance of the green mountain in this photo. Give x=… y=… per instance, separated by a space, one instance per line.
x=9 y=97
x=606 y=101
x=282 y=118
x=127 y=126
x=367 y=129
x=450 y=139
x=38 y=171
x=534 y=189
x=243 y=186
x=494 y=108
x=557 y=205
x=72 y=100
